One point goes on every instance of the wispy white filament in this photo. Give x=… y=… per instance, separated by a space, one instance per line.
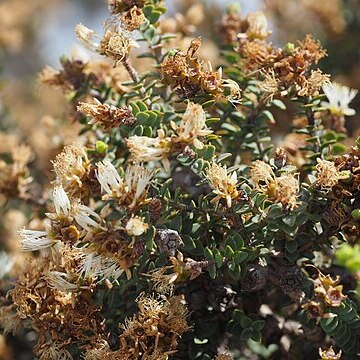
x=33 y=240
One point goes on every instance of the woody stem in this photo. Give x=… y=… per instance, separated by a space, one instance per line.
x=130 y=69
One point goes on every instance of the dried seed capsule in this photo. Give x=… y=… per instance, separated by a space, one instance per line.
x=255 y=278
x=168 y=241
x=291 y=278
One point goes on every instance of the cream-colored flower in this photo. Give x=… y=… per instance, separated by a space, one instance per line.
x=60 y=281
x=223 y=184
x=233 y=87
x=262 y=174
x=61 y=202
x=136 y=226
x=328 y=174
x=283 y=189
x=114 y=44
x=257 y=25
x=339 y=97
x=97 y=267
x=137 y=179
x=144 y=148
x=34 y=240
x=287 y=189
x=329 y=354
x=87 y=37
x=111 y=182
x=129 y=191
x=85 y=217
x=192 y=126
x=71 y=168
x=82 y=214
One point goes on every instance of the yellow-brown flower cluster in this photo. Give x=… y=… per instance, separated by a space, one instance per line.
x=284 y=69
x=282 y=189
x=224 y=185
x=60 y=317
x=186 y=74
x=109 y=116
x=154 y=332
x=328 y=175
x=328 y=294
x=349 y=164
x=224 y=356
x=111 y=254
x=132 y=19
x=181 y=269
x=192 y=127
x=329 y=354
x=71 y=77
x=74 y=171
x=343 y=190
x=15 y=176
x=119 y=6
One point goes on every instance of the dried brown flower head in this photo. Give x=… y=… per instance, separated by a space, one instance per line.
x=15 y=176
x=155 y=331
x=109 y=116
x=283 y=188
x=132 y=19
x=71 y=77
x=328 y=174
x=223 y=184
x=329 y=354
x=72 y=168
x=115 y=45
x=224 y=356
x=186 y=74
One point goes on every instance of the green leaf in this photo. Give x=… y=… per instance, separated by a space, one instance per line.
x=197 y=166
x=148 y=9
x=291 y=246
x=229 y=252
x=188 y=242
x=256 y=336
x=245 y=322
x=138 y=130
x=258 y=325
x=135 y=108
x=289 y=220
x=240 y=257
x=275 y=211
x=142 y=118
x=237 y=315
x=212 y=271
x=245 y=334
x=267 y=114
x=154 y=17
x=141 y=105
x=279 y=104
x=338 y=149
x=219 y=260
x=208 y=254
